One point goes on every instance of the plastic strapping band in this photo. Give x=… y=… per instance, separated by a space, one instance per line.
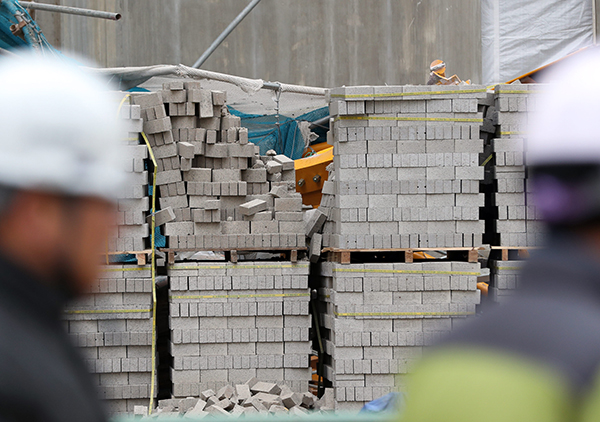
x=513 y=133
x=413 y=119
x=487 y=160
x=356 y=270
x=153 y=266
x=108 y=270
x=241 y=296
x=508 y=268
x=404 y=313
x=410 y=94
x=223 y=267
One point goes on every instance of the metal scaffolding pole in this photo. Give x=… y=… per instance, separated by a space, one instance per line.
x=225 y=33
x=70 y=10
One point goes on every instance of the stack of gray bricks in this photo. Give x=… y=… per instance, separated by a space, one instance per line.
x=518 y=222
x=132 y=230
x=232 y=322
x=406 y=167
x=379 y=317
x=505 y=276
x=222 y=193
x=112 y=326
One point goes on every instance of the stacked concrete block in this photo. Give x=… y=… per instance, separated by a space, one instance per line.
x=112 y=326
x=406 y=168
x=134 y=203
x=232 y=322
x=504 y=279
x=518 y=222
x=379 y=317
x=223 y=194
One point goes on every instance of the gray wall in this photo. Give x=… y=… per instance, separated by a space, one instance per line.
x=313 y=42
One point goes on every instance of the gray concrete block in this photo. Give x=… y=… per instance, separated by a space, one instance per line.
x=252 y=207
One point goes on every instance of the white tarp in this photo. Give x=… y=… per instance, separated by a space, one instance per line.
x=521 y=35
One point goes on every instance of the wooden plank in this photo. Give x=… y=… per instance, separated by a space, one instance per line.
x=345 y=257
x=294 y=256
x=409 y=255
x=504 y=254
x=171 y=257
x=473 y=256
x=233 y=255
x=141 y=259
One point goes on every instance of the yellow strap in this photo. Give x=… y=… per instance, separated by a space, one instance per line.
x=487 y=160
x=106 y=311
x=242 y=296
x=357 y=270
x=108 y=270
x=508 y=268
x=410 y=94
x=153 y=266
x=517 y=132
x=227 y=266
x=404 y=313
x=412 y=119
x=518 y=91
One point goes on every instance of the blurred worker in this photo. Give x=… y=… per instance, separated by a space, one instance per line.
x=537 y=357
x=437 y=75
x=59 y=173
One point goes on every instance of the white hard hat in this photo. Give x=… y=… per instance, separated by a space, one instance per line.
x=564 y=128
x=59 y=130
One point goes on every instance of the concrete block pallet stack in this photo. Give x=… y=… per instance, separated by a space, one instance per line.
x=232 y=322
x=229 y=321
x=405 y=176
x=113 y=328
x=515 y=222
x=216 y=193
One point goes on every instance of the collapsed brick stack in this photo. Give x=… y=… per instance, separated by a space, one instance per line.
x=505 y=277
x=215 y=191
x=250 y=398
x=517 y=224
x=113 y=328
x=134 y=203
x=379 y=316
x=232 y=322
x=406 y=167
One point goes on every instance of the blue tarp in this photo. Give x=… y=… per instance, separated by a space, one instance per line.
x=282 y=135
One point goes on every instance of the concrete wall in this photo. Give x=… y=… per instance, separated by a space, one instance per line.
x=314 y=42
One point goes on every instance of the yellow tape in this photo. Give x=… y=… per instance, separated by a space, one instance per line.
x=508 y=268
x=405 y=313
x=487 y=160
x=513 y=133
x=413 y=119
x=410 y=94
x=242 y=296
x=107 y=311
x=153 y=266
x=356 y=270
x=518 y=91
x=235 y=266
x=108 y=270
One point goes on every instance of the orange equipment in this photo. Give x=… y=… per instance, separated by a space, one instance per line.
x=311 y=172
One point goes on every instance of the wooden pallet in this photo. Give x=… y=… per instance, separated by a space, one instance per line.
x=346 y=256
x=141 y=256
x=232 y=254
x=514 y=252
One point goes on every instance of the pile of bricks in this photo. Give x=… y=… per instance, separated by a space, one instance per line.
x=250 y=398
x=113 y=328
x=232 y=322
x=517 y=222
x=505 y=277
x=134 y=203
x=216 y=192
x=379 y=316
x=406 y=167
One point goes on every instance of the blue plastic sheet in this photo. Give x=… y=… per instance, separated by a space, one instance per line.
x=281 y=134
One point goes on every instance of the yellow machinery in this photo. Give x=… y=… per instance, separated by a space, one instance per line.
x=311 y=172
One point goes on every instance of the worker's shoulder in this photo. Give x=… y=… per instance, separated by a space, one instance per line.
x=559 y=331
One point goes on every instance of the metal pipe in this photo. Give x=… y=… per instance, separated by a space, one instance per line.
x=225 y=33
x=70 y=10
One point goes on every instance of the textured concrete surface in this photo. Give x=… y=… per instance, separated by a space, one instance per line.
x=314 y=42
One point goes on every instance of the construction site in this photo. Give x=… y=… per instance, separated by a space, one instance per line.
x=299 y=227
